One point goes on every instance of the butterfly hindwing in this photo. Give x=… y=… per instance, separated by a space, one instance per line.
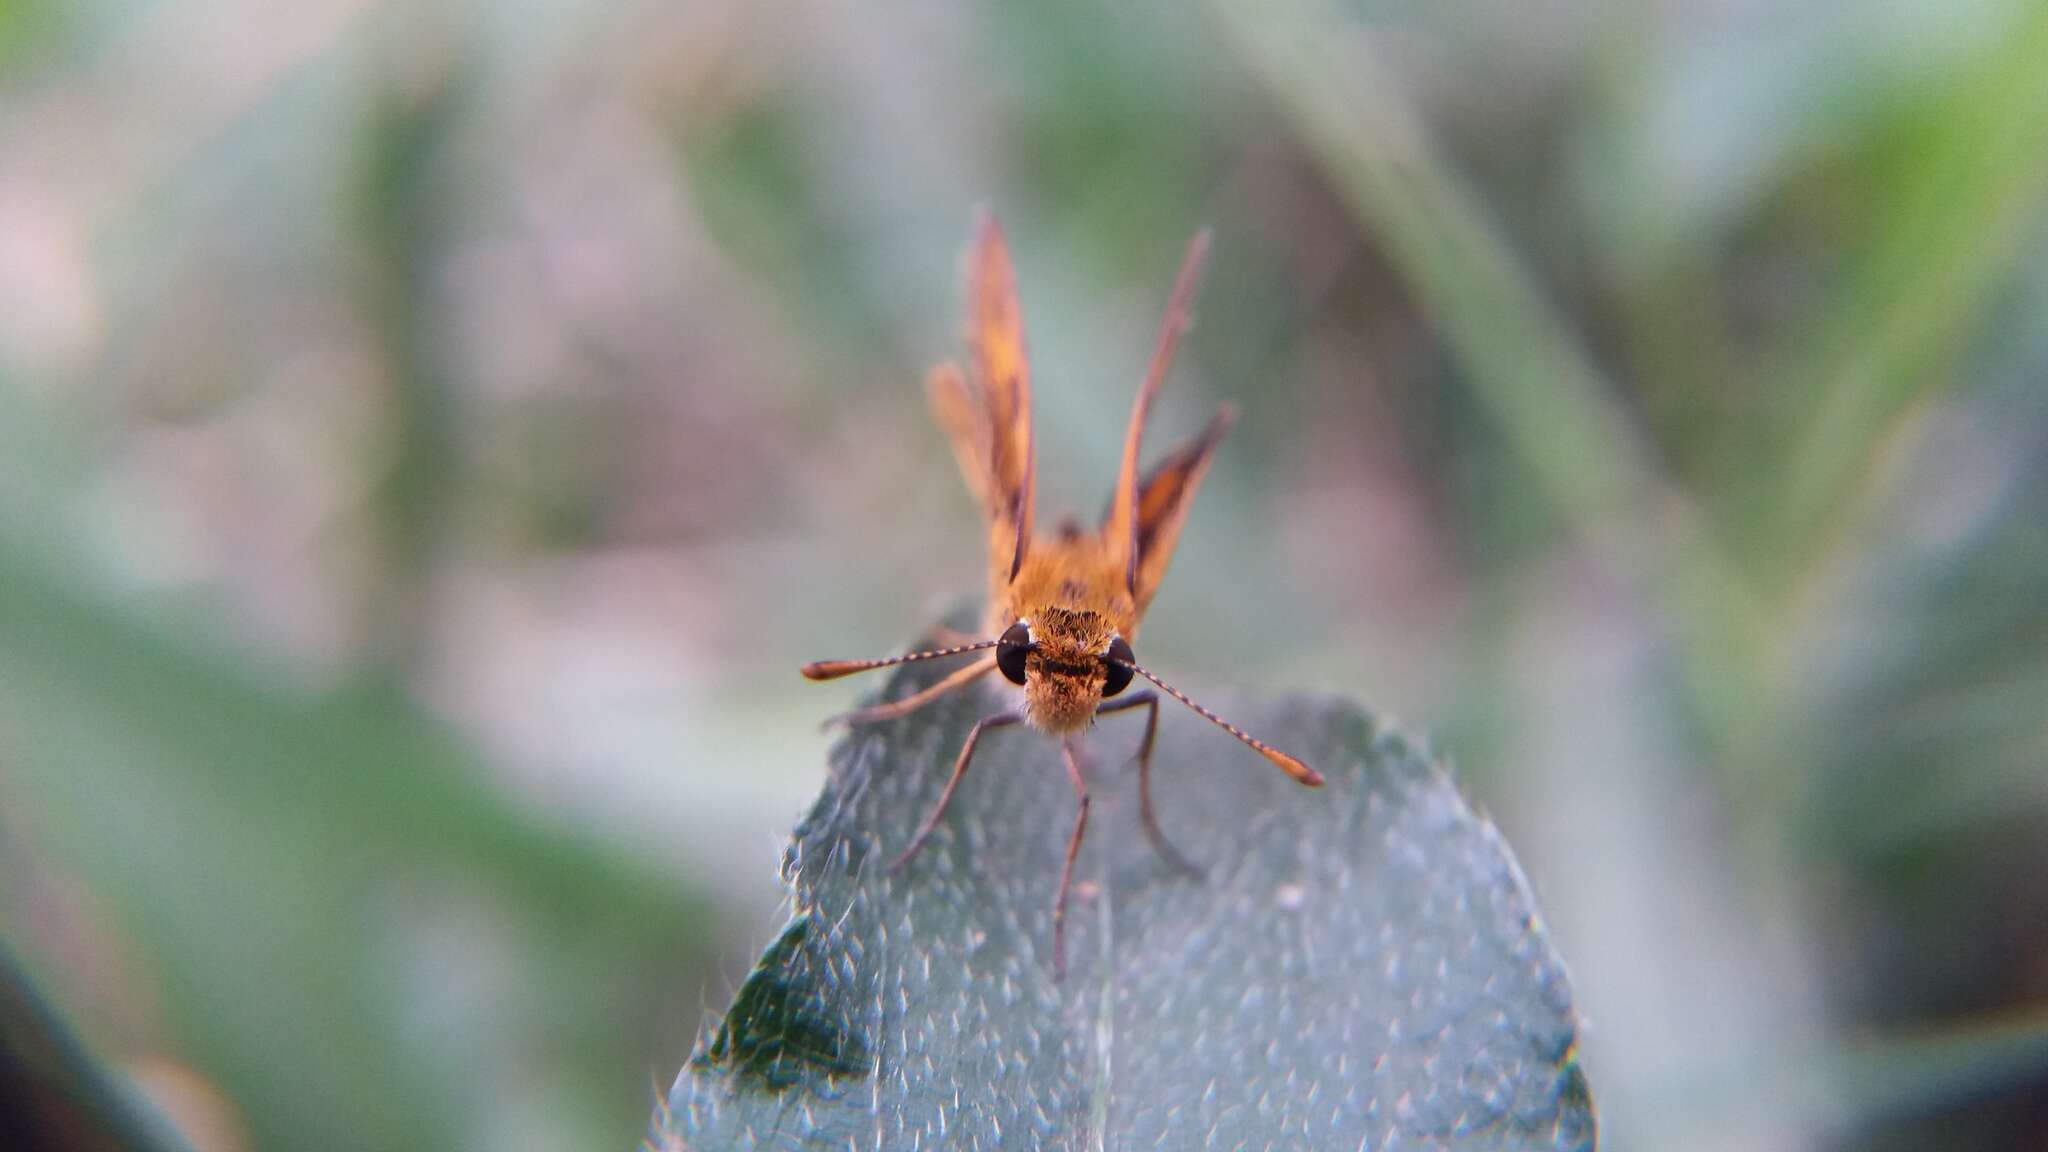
x=965 y=424
x=1165 y=497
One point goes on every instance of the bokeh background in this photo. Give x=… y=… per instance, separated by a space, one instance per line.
x=431 y=435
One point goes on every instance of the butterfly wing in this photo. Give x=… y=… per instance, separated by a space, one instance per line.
x=1003 y=373
x=1123 y=526
x=965 y=424
x=1164 y=498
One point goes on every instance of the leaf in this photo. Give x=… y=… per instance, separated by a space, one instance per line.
x=1357 y=966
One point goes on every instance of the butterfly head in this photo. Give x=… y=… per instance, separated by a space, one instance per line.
x=1067 y=661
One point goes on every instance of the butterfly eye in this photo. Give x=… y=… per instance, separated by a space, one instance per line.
x=1011 y=648
x=1118 y=661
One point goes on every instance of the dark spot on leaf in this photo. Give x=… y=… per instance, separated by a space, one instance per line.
x=787 y=1025
x=1574 y=1111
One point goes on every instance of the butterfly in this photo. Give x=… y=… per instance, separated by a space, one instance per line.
x=1064 y=607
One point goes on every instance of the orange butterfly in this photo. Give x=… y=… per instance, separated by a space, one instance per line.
x=1063 y=608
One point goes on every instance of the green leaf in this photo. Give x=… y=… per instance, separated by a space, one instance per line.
x=1356 y=966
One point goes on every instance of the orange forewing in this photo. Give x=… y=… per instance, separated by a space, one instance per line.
x=1123 y=526
x=1003 y=372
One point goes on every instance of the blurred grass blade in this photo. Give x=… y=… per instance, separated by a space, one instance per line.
x=1521 y=359
x=268 y=853
x=401 y=224
x=1358 y=964
x=1524 y=364
x=1871 y=1085
x=1884 y=1080
x=1948 y=228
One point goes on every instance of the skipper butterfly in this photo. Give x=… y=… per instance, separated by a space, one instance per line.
x=1064 y=608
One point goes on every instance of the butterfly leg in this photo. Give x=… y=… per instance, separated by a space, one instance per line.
x=999 y=720
x=1150 y=702
x=1059 y=905
x=958 y=678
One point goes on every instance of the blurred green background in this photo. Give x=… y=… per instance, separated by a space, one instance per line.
x=431 y=435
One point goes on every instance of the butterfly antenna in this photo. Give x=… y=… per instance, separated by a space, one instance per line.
x=834 y=669
x=1281 y=760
